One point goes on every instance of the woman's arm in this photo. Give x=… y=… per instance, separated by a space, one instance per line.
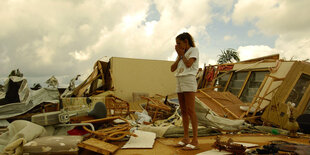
x=180 y=52
x=188 y=62
x=175 y=64
x=192 y=57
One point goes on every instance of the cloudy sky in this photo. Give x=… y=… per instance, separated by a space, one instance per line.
x=66 y=37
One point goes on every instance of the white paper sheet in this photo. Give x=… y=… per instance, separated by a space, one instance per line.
x=144 y=140
x=214 y=152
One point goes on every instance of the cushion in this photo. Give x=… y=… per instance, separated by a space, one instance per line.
x=53 y=145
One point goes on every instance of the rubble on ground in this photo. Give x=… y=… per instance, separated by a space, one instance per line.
x=116 y=109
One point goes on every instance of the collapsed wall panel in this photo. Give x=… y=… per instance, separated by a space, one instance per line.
x=294 y=89
x=253 y=82
x=141 y=76
x=269 y=86
x=281 y=72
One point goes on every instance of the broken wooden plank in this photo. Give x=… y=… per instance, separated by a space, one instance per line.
x=98 y=146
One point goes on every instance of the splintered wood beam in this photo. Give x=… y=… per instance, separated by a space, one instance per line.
x=100 y=68
x=218 y=103
x=83 y=89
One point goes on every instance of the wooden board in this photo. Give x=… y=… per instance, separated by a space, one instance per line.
x=223 y=104
x=98 y=146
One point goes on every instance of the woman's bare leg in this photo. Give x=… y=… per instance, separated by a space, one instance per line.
x=185 y=116
x=190 y=107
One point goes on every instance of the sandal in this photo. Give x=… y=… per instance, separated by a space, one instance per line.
x=190 y=147
x=180 y=144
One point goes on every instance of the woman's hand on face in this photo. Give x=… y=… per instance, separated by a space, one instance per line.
x=179 y=50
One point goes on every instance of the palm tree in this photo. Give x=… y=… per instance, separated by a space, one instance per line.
x=227 y=56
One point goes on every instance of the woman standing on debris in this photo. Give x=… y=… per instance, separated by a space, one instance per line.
x=186 y=67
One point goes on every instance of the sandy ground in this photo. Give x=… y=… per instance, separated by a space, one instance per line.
x=164 y=146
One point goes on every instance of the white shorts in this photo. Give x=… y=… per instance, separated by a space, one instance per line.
x=186 y=83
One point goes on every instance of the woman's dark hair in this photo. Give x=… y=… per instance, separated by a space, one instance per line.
x=186 y=36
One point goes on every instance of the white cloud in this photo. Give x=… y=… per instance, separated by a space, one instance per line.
x=229 y=37
x=250 y=52
x=297 y=48
x=153 y=39
x=286 y=19
x=65 y=38
x=274 y=17
x=4 y=57
x=252 y=32
x=80 y=55
x=211 y=62
x=206 y=60
x=44 y=54
x=226 y=7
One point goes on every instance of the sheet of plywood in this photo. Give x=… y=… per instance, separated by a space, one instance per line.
x=223 y=104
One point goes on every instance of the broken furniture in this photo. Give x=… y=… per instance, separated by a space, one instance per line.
x=50 y=118
x=229 y=146
x=283 y=147
x=116 y=106
x=157 y=109
x=99 y=111
x=110 y=128
x=59 y=118
x=56 y=117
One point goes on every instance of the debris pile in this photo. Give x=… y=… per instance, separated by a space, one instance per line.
x=116 y=109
